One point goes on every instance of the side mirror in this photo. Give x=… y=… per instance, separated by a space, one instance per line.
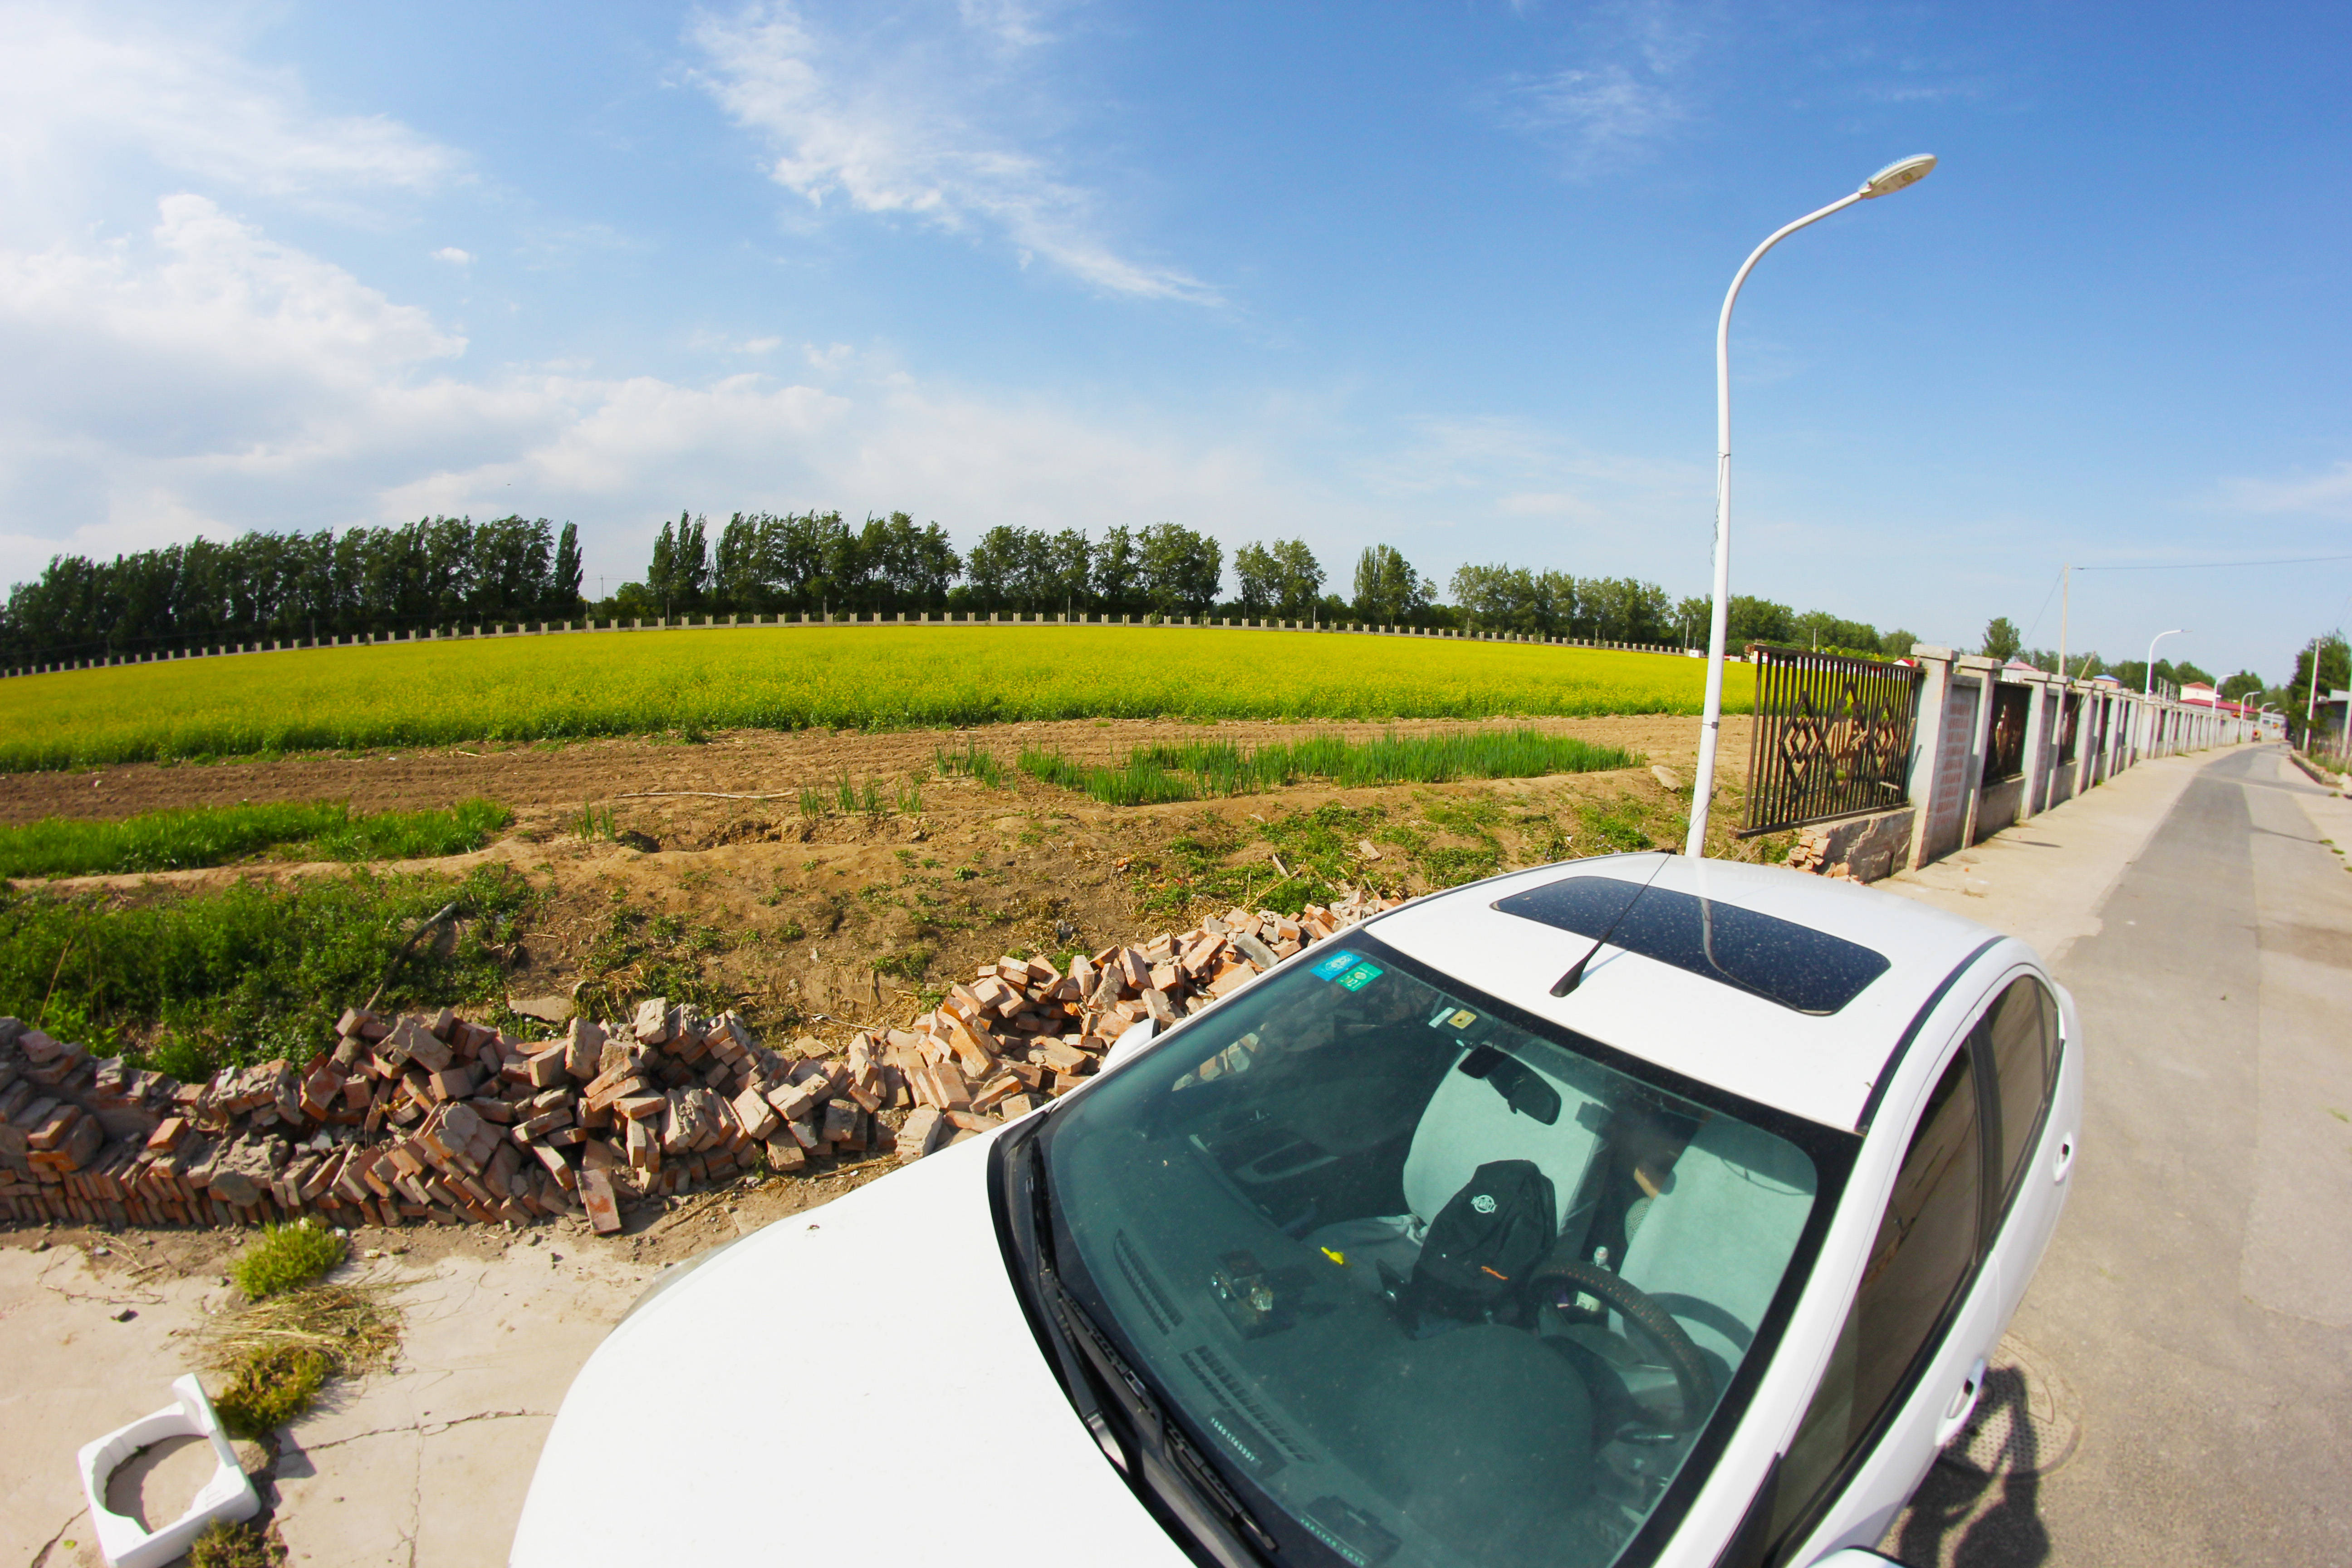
x=1856 y=1557
x=1139 y=1034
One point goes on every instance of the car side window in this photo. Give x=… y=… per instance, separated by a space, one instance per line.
x=2019 y=1034
x=1925 y=1251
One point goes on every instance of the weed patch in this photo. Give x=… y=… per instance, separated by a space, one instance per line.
x=271 y=1386
x=225 y=1544
x=260 y=969
x=1154 y=775
x=220 y=834
x=286 y=1258
x=275 y=1357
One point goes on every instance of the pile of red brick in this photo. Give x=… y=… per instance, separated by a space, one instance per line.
x=436 y=1119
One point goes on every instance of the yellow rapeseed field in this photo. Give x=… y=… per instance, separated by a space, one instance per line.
x=533 y=688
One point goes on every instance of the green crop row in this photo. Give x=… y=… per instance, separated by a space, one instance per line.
x=217 y=835
x=250 y=972
x=1156 y=774
x=558 y=686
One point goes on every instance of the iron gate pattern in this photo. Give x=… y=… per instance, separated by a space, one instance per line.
x=1833 y=737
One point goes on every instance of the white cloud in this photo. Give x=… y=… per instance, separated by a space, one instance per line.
x=2328 y=494
x=903 y=131
x=1628 y=95
x=76 y=82
x=201 y=377
x=454 y=257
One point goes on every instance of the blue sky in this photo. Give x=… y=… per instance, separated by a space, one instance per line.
x=1439 y=276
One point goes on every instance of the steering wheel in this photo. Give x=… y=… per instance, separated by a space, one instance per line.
x=1693 y=1383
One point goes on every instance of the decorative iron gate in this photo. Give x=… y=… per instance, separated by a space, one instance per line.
x=1833 y=737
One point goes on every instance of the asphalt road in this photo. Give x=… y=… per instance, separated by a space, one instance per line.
x=2199 y=1295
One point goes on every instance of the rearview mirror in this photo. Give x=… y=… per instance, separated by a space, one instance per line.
x=1139 y=1034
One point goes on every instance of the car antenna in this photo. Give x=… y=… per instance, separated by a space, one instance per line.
x=1575 y=977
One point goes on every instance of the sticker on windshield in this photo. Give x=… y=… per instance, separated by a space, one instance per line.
x=1363 y=975
x=1454 y=1019
x=1335 y=965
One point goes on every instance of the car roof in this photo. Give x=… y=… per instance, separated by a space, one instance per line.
x=1819 y=1066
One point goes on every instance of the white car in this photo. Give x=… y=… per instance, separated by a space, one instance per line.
x=1431 y=1244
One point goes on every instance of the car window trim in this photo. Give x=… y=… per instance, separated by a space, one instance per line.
x=1911 y=1032
x=1906 y=1387
x=2013 y=1178
x=1082 y=1360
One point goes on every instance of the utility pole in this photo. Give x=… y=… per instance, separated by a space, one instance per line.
x=2065 y=586
x=2311 y=698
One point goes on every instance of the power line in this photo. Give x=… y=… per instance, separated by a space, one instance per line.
x=2044 y=610
x=2213 y=565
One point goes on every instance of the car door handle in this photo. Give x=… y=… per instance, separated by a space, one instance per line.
x=1963 y=1404
x=2064 y=1161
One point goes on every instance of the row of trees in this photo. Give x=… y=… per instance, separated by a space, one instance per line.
x=266 y=586
x=443 y=571
x=816 y=564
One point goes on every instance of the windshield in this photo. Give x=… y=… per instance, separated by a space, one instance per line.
x=1433 y=1285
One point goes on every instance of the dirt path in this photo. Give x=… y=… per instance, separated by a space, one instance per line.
x=559 y=774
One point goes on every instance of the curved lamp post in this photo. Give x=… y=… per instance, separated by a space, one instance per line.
x=1894 y=177
x=2147 y=687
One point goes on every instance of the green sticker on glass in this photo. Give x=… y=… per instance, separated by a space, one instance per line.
x=1363 y=975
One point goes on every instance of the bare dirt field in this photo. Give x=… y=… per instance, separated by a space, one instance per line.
x=822 y=922
x=565 y=774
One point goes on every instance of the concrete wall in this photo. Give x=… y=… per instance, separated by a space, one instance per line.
x=1953 y=802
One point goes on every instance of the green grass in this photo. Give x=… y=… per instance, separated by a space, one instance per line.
x=224 y=1544
x=692 y=682
x=274 y=1356
x=218 y=835
x=1155 y=775
x=248 y=972
x=971 y=762
x=286 y=1258
x=271 y=1388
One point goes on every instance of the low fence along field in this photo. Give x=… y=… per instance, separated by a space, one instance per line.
x=560 y=687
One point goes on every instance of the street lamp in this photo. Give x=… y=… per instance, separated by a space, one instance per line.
x=2147 y=681
x=1894 y=177
x=2148 y=688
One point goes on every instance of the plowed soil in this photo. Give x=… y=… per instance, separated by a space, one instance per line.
x=566 y=774
x=839 y=919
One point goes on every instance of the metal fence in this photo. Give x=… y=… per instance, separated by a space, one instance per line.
x=1833 y=737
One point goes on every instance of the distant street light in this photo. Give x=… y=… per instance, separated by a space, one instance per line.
x=2148 y=688
x=2148 y=681
x=1894 y=177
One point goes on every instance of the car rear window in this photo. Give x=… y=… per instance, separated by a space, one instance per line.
x=1802 y=969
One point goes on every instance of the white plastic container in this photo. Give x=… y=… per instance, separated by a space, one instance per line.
x=229 y=1495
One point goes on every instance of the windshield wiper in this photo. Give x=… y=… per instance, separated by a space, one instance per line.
x=1151 y=1452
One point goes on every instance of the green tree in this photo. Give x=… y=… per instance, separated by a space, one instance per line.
x=1758 y=620
x=1298 y=580
x=2242 y=686
x=1258 y=576
x=564 y=596
x=1118 y=572
x=1181 y=569
x=1388 y=591
x=2001 y=639
x=661 y=573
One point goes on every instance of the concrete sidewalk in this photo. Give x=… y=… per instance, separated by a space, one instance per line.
x=425 y=1463
x=2044 y=879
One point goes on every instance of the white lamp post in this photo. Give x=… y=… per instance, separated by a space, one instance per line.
x=1892 y=177
x=2147 y=684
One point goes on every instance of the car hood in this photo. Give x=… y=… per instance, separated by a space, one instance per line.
x=859 y=1376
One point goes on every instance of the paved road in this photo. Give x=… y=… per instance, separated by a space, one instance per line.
x=2199 y=1295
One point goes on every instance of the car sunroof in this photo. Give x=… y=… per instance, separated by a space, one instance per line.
x=1806 y=970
